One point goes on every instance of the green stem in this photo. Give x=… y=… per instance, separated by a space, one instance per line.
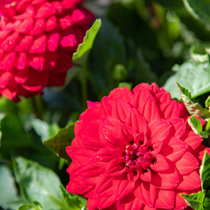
x=84 y=85
x=37 y=106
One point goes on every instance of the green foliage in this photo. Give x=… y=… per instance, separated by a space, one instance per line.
x=38 y=184
x=75 y=202
x=187 y=76
x=201 y=200
x=194 y=108
x=60 y=141
x=196 y=126
x=195 y=200
x=134 y=41
x=88 y=40
x=200 y=9
x=205 y=171
x=9 y=198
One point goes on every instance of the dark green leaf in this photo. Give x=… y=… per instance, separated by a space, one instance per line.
x=187 y=75
x=88 y=40
x=39 y=184
x=200 y=9
x=60 y=141
x=194 y=108
x=195 y=200
x=205 y=171
x=14 y=138
x=107 y=52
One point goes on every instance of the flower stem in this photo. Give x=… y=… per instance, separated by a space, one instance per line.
x=84 y=85
x=37 y=106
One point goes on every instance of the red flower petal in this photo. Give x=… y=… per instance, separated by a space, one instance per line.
x=159 y=129
x=104 y=186
x=160 y=163
x=147 y=193
x=150 y=110
x=115 y=167
x=102 y=158
x=121 y=109
x=190 y=182
x=187 y=164
x=174 y=150
x=179 y=126
x=165 y=199
x=136 y=121
x=170 y=109
x=166 y=180
x=123 y=93
x=91 y=172
x=129 y=203
x=36 y=80
x=122 y=186
x=105 y=202
x=140 y=97
x=110 y=137
x=145 y=175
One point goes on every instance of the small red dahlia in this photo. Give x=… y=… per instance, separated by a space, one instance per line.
x=37 y=40
x=135 y=151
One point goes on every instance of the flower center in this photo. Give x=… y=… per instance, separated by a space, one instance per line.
x=137 y=157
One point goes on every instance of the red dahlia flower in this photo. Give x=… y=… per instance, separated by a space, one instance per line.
x=37 y=39
x=135 y=151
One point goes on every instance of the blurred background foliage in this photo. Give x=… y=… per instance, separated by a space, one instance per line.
x=139 y=41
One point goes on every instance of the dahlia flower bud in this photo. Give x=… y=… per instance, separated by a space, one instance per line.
x=135 y=150
x=37 y=40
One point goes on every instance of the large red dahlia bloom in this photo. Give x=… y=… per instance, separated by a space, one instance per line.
x=135 y=151
x=37 y=39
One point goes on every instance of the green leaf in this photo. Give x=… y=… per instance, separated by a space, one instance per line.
x=60 y=141
x=8 y=199
x=119 y=72
x=75 y=202
x=199 y=9
x=199 y=53
x=43 y=129
x=88 y=40
x=123 y=84
x=195 y=200
x=205 y=171
x=207 y=102
x=107 y=52
x=25 y=207
x=14 y=138
x=187 y=76
x=196 y=126
x=39 y=184
x=194 y=108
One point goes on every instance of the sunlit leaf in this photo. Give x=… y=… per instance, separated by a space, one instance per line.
x=194 y=108
x=205 y=171
x=75 y=202
x=193 y=76
x=195 y=200
x=88 y=40
x=39 y=184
